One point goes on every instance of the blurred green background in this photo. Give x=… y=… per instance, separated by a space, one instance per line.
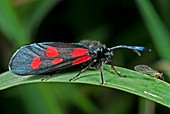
x=113 y=22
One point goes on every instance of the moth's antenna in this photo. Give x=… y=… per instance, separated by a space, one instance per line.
x=136 y=49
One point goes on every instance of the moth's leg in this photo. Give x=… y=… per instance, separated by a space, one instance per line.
x=117 y=71
x=47 y=77
x=82 y=70
x=101 y=74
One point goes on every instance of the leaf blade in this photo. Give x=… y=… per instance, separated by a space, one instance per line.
x=135 y=83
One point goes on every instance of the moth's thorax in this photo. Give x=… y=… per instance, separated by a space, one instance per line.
x=92 y=45
x=98 y=51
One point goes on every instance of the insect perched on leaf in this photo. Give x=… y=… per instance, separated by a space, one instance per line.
x=48 y=57
x=149 y=71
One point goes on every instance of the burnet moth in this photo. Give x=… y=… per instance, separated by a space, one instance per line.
x=48 y=57
x=149 y=71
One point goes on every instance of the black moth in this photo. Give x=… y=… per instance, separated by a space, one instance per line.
x=47 y=57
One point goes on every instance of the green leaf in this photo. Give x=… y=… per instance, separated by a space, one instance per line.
x=134 y=82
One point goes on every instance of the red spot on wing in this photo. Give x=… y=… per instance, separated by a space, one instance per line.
x=78 y=52
x=57 y=61
x=81 y=59
x=51 y=52
x=36 y=62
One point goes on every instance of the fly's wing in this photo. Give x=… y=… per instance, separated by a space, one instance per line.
x=40 y=58
x=145 y=69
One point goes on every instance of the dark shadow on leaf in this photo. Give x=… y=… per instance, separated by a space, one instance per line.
x=44 y=77
x=35 y=77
